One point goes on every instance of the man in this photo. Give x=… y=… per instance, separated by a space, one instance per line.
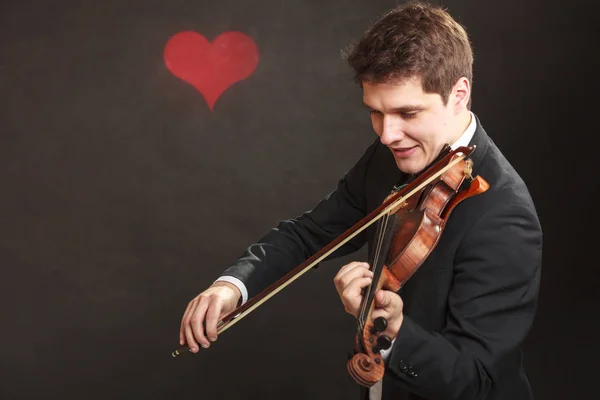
x=458 y=323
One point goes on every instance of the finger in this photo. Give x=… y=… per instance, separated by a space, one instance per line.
x=195 y=327
x=352 y=294
x=388 y=301
x=212 y=318
x=350 y=277
x=345 y=276
x=182 y=324
x=382 y=300
x=198 y=322
x=187 y=328
x=352 y=265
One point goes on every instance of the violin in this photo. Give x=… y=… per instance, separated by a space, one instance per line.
x=406 y=235
x=409 y=222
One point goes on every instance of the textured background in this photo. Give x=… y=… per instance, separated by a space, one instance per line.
x=123 y=196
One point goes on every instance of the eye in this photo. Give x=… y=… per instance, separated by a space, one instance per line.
x=374 y=112
x=409 y=115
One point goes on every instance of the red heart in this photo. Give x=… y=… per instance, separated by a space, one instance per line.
x=211 y=68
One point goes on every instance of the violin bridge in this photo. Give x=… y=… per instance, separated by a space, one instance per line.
x=468 y=171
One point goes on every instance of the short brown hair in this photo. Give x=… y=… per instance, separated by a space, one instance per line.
x=414 y=39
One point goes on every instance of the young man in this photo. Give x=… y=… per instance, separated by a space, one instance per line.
x=458 y=323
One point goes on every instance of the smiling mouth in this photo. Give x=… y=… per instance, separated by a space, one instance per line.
x=403 y=152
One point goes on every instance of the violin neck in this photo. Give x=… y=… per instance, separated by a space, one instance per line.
x=386 y=227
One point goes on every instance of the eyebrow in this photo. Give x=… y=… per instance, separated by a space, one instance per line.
x=400 y=109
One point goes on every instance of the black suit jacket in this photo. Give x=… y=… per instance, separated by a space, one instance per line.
x=471 y=304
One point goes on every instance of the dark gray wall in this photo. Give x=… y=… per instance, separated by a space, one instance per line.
x=123 y=196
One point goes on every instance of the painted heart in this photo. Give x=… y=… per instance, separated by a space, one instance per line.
x=211 y=67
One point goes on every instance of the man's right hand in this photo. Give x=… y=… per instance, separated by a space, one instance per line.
x=205 y=311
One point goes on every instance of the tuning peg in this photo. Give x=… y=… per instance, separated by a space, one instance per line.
x=383 y=343
x=379 y=325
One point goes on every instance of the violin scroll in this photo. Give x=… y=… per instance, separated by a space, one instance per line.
x=366 y=370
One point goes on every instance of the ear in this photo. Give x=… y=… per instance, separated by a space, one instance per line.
x=460 y=95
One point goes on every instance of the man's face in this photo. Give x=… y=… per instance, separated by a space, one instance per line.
x=414 y=125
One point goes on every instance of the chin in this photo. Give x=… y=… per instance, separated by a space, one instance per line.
x=409 y=167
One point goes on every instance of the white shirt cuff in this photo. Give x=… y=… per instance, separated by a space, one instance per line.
x=236 y=282
x=386 y=353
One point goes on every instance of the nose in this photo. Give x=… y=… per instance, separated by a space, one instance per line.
x=391 y=130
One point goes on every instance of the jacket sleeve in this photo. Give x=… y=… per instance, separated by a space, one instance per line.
x=491 y=308
x=294 y=240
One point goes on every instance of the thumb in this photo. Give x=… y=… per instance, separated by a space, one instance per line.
x=383 y=299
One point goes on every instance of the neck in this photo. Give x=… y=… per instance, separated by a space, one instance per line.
x=462 y=122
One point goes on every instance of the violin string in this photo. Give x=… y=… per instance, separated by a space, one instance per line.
x=378 y=255
x=366 y=291
x=378 y=250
